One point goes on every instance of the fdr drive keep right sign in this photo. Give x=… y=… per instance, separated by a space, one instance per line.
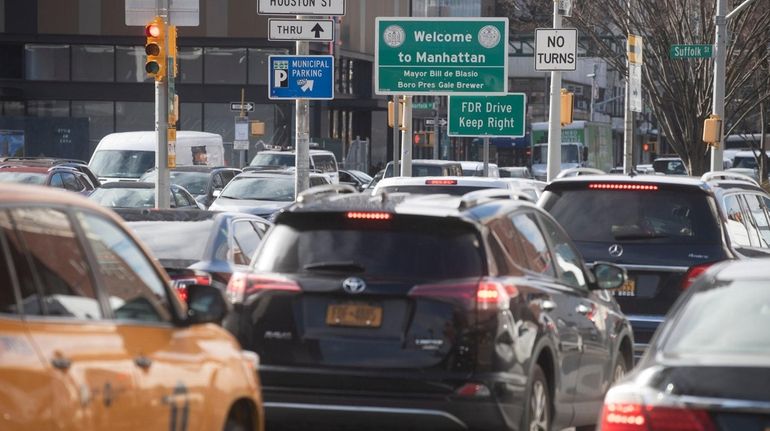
x=555 y=49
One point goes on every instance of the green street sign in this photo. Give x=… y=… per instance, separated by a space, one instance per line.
x=441 y=56
x=423 y=105
x=691 y=51
x=473 y=116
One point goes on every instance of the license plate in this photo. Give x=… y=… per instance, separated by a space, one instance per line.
x=627 y=289
x=355 y=315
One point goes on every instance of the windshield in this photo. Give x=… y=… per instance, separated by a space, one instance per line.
x=728 y=319
x=261 y=188
x=175 y=240
x=122 y=163
x=664 y=216
x=267 y=159
x=391 y=249
x=124 y=198
x=745 y=162
x=193 y=182
x=569 y=154
x=22 y=177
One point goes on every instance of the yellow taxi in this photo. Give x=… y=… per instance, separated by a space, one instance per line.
x=92 y=337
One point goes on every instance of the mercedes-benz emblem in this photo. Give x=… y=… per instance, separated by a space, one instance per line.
x=353 y=285
x=616 y=250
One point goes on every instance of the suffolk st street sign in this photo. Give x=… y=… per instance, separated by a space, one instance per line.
x=441 y=56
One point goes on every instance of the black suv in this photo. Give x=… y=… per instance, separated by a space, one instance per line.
x=664 y=230
x=436 y=311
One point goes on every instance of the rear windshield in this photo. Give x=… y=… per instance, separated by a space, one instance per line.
x=426 y=189
x=174 y=240
x=419 y=170
x=267 y=159
x=22 y=177
x=663 y=216
x=122 y=163
x=405 y=247
x=728 y=319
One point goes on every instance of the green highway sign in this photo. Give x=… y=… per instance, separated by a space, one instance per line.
x=441 y=56
x=473 y=116
x=691 y=51
x=423 y=105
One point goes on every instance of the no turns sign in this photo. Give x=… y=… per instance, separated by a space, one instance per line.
x=555 y=49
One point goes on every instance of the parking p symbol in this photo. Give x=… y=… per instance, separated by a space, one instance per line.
x=280 y=78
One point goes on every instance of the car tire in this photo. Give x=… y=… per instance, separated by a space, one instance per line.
x=234 y=425
x=619 y=369
x=537 y=403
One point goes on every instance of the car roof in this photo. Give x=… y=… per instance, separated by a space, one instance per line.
x=30 y=169
x=674 y=180
x=128 y=185
x=474 y=164
x=432 y=162
x=311 y=152
x=197 y=168
x=147 y=140
x=744 y=269
x=273 y=174
x=748 y=153
x=461 y=181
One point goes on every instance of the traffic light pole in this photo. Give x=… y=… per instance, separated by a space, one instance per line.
x=396 y=132
x=554 y=116
x=406 y=139
x=162 y=181
x=302 y=134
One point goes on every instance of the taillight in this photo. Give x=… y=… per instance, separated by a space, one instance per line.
x=202 y=278
x=693 y=273
x=243 y=284
x=637 y=417
x=482 y=295
x=441 y=182
x=366 y=215
x=618 y=186
x=182 y=292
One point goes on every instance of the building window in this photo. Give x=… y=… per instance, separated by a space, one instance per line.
x=93 y=63
x=190 y=65
x=134 y=116
x=217 y=118
x=191 y=116
x=130 y=64
x=258 y=65
x=47 y=62
x=48 y=108
x=225 y=65
x=101 y=119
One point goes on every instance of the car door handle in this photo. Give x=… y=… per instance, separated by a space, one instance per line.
x=61 y=363
x=548 y=305
x=143 y=362
x=583 y=309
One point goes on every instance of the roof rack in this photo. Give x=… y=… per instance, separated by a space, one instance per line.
x=724 y=175
x=574 y=172
x=49 y=160
x=471 y=199
x=324 y=190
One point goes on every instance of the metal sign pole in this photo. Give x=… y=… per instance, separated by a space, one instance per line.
x=406 y=139
x=554 y=116
x=486 y=156
x=436 y=128
x=242 y=155
x=302 y=134
x=162 y=182
x=720 y=55
x=396 y=132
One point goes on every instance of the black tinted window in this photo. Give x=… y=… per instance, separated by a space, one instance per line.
x=245 y=242
x=662 y=216
x=533 y=245
x=183 y=240
x=70 y=182
x=404 y=247
x=7 y=294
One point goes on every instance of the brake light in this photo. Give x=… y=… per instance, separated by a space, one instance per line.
x=359 y=215
x=202 y=278
x=242 y=285
x=693 y=273
x=616 y=186
x=636 y=417
x=441 y=182
x=483 y=295
x=182 y=292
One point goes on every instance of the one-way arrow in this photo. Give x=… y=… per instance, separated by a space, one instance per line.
x=317 y=30
x=308 y=85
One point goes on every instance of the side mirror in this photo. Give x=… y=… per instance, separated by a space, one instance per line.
x=609 y=275
x=205 y=304
x=216 y=193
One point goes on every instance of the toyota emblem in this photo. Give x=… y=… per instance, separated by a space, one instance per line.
x=616 y=250
x=353 y=285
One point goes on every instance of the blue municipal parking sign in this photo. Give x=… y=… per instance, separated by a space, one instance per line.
x=301 y=77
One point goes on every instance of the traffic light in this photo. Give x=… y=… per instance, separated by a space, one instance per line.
x=172 y=50
x=155 y=47
x=567 y=100
x=646 y=147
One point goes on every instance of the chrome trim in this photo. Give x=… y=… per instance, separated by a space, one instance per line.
x=725 y=404
x=654 y=268
x=655 y=319
x=366 y=409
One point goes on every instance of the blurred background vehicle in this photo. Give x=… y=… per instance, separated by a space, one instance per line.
x=198 y=247
x=320 y=161
x=707 y=367
x=669 y=166
x=355 y=178
x=514 y=172
x=202 y=182
x=67 y=174
x=262 y=193
x=476 y=169
x=429 y=168
x=134 y=194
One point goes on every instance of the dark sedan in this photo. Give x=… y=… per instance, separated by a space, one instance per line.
x=203 y=182
x=708 y=366
x=198 y=247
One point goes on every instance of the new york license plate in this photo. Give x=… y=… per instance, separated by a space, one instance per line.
x=354 y=314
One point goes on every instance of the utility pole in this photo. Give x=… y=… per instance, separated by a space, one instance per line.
x=720 y=58
x=396 y=132
x=554 y=115
x=163 y=181
x=301 y=134
x=436 y=127
x=406 y=139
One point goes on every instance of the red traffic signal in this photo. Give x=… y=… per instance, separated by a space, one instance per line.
x=155 y=48
x=646 y=147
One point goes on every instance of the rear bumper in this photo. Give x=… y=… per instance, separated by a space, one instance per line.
x=644 y=327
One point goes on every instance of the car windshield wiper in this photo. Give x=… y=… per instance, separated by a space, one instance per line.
x=342 y=265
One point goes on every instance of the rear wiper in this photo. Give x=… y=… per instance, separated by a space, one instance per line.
x=343 y=265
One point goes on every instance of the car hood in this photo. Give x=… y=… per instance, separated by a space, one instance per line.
x=247 y=205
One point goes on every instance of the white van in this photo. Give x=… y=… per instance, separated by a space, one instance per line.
x=321 y=161
x=126 y=156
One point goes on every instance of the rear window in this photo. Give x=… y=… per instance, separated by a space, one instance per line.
x=728 y=319
x=404 y=247
x=426 y=189
x=267 y=159
x=662 y=216
x=174 y=240
x=324 y=163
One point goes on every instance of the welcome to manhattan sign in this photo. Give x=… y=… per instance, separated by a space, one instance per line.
x=441 y=56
